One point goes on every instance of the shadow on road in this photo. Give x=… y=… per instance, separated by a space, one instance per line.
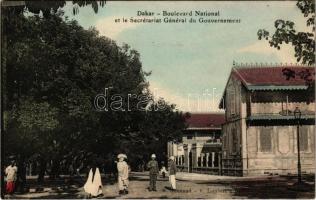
x=267 y=188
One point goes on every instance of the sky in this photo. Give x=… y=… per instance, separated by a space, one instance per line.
x=190 y=63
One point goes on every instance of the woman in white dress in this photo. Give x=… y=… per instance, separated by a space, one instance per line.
x=93 y=186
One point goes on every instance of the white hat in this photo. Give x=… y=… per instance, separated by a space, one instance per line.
x=121 y=156
x=171 y=158
x=153 y=155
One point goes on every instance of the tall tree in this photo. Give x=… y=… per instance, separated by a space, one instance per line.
x=48 y=7
x=303 y=42
x=60 y=65
x=54 y=70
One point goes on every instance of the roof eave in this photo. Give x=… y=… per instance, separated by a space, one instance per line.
x=276 y=87
x=203 y=128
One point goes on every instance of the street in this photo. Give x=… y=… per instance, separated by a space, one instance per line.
x=269 y=187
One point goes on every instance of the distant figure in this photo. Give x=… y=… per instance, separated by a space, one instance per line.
x=11 y=173
x=78 y=169
x=153 y=172
x=93 y=186
x=172 y=172
x=141 y=166
x=163 y=170
x=123 y=172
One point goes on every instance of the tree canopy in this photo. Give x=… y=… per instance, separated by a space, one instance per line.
x=49 y=7
x=303 y=42
x=53 y=70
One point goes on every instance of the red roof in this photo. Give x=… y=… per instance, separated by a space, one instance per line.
x=205 y=120
x=270 y=75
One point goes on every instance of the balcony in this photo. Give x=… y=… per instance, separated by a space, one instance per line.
x=279 y=119
x=281 y=108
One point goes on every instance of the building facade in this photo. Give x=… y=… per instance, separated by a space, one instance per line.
x=260 y=132
x=200 y=149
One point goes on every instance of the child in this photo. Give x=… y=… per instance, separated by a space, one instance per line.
x=123 y=173
x=163 y=170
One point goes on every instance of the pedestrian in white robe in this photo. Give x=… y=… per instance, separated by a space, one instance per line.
x=172 y=172
x=123 y=173
x=93 y=185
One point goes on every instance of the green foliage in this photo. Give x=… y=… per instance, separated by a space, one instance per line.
x=162 y=123
x=53 y=69
x=36 y=116
x=303 y=42
x=48 y=8
x=94 y=4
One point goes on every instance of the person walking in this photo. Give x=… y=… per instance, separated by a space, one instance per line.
x=123 y=173
x=153 y=172
x=172 y=172
x=11 y=176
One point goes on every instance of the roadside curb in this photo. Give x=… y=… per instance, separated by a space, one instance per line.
x=215 y=178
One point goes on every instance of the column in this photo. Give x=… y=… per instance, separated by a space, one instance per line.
x=213 y=158
x=202 y=159
x=170 y=149
x=207 y=158
x=188 y=161
x=186 y=155
x=219 y=164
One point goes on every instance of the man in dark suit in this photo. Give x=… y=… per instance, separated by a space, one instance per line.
x=153 y=172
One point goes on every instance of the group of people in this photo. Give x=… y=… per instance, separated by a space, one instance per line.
x=93 y=186
x=152 y=165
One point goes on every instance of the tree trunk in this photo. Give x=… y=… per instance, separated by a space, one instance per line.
x=55 y=169
x=42 y=170
x=21 y=174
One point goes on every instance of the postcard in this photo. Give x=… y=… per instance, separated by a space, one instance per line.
x=158 y=99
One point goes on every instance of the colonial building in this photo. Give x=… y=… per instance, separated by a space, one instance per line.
x=260 y=132
x=201 y=144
